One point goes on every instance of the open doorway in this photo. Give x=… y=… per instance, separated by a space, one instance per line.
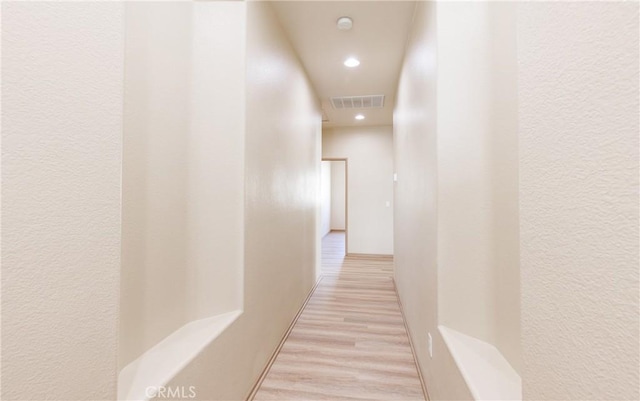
x=334 y=214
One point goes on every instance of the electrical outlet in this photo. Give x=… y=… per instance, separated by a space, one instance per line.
x=430 y=345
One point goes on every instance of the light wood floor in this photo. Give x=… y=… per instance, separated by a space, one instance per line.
x=350 y=341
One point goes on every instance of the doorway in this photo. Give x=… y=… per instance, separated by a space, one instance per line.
x=334 y=210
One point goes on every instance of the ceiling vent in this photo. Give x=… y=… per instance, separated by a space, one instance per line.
x=358 y=102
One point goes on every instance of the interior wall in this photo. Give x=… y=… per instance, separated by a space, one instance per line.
x=184 y=120
x=62 y=69
x=416 y=207
x=281 y=177
x=338 y=195
x=578 y=105
x=369 y=151
x=478 y=173
x=457 y=190
x=318 y=173
x=326 y=201
x=154 y=196
x=504 y=165
x=216 y=144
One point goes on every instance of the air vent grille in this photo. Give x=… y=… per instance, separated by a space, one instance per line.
x=358 y=102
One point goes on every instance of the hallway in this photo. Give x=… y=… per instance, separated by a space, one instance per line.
x=182 y=182
x=350 y=342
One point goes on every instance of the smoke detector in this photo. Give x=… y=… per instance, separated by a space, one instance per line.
x=344 y=23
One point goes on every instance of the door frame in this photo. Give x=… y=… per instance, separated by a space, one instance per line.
x=346 y=198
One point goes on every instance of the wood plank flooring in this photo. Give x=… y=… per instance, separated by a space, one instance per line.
x=350 y=341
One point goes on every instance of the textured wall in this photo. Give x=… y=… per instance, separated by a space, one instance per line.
x=62 y=128
x=369 y=151
x=578 y=106
x=282 y=171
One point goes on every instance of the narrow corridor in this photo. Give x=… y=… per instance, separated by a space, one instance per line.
x=350 y=341
x=177 y=178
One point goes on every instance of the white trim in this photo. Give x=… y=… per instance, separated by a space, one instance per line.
x=160 y=364
x=487 y=373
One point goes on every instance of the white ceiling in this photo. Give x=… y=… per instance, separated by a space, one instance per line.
x=377 y=39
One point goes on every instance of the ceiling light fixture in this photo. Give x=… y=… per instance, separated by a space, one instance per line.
x=352 y=62
x=344 y=23
x=359 y=117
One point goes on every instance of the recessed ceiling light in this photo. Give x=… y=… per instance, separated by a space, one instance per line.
x=359 y=117
x=352 y=62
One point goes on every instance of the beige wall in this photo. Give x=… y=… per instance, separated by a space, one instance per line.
x=338 y=195
x=183 y=168
x=333 y=196
x=478 y=173
x=415 y=213
x=456 y=195
x=577 y=155
x=369 y=151
x=505 y=213
x=578 y=106
x=282 y=170
x=326 y=193
x=62 y=68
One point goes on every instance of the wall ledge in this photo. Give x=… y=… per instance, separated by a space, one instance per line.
x=157 y=366
x=487 y=373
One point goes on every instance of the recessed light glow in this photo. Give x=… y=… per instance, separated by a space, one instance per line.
x=359 y=117
x=352 y=62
